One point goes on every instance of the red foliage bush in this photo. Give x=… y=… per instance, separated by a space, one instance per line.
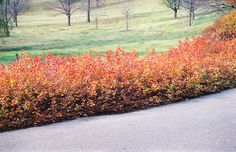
x=34 y=91
x=231 y=2
x=224 y=28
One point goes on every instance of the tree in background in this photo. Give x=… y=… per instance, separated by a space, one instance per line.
x=1 y=17
x=126 y=8
x=206 y=7
x=96 y=4
x=17 y=7
x=192 y=6
x=221 y=5
x=6 y=16
x=174 y=5
x=66 y=7
x=1 y=20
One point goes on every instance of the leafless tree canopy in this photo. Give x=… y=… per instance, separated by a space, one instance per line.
x=126 y=6
x=17 y=7
x=220 y=5
x=1 y=20
x=209 y=5
x=95 y=5
x=174 y=5
x=206 y=7
x=6 y=17
x=66 y=7
x=192 y=6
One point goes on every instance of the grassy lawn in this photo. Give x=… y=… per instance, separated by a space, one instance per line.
x=151 y=26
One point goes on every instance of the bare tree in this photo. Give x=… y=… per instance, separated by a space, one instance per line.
x=174 y=5
x=17 y=7
x=96 y=4
x=220 y=5
x=1 y=20
x=192 y=6
x=126 y=7
x=89 y=8
x=66 y=7
x=6 y=17
x=207 y=7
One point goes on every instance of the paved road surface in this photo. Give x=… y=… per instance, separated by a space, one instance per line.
x=206 y=124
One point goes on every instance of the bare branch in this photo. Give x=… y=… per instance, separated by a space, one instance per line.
x=66 y=7
x=126 y=8
x=174 y=5
x=18 y=7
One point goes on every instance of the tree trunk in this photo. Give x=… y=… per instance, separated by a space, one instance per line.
x=16 y=21
x=15 y=14
x=175 y=13
x=7 y=32
x=96 y=22
x=88 y=11
x=190 y=18
x=69 y=13
x=126 y=22
x=193 y=15
x=97 y=5
x=69 y=20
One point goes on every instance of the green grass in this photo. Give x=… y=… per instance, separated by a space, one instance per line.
x=151 y=26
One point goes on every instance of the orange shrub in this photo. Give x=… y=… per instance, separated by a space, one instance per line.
x=231 y=2
x=224 y=28
x=34 y=91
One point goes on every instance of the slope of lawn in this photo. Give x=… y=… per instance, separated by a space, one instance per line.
x=151 y=26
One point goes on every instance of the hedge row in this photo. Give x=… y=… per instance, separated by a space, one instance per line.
x=35 y=91
x=224 y=28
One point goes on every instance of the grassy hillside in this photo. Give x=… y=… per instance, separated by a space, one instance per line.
x=151 y=26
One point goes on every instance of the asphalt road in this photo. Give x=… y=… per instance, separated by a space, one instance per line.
x=206 y=124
